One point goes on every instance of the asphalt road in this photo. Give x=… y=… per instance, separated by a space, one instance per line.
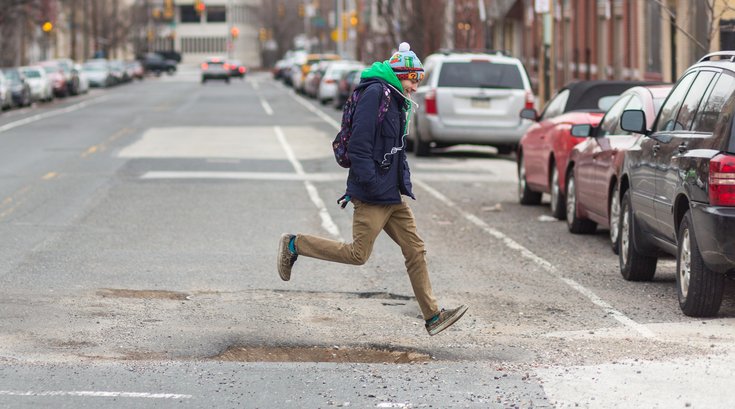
x=138 y=232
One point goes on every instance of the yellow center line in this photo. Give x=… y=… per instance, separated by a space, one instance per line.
x=16 y=199
x=98 y=148
x=49 y=176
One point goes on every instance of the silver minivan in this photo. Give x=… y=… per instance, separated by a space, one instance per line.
x=471 y=98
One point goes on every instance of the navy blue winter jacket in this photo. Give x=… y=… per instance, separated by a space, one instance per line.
x=377 y=176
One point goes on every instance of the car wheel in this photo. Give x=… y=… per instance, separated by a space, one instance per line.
x=700 y=289
x=227 y=80
x=557 y=198
x=614 y=213
x=526 y=196
x=634 y=266
x=505 y=149
x=575 y=224
x=423 y=148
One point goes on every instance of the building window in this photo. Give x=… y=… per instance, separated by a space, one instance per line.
x=727 y=35
x=189 y=14
x=216 y=14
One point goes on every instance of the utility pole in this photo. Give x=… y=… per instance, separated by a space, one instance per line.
x=338 y=11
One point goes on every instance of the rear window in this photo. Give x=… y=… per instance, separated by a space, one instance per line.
x=32 y=74
x=480 y=74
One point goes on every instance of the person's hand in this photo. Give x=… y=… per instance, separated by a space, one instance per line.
x=342 y=201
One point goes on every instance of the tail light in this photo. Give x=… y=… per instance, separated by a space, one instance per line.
x=529 y=101
x=205 y=66
x=430 y=103
x=242 y=70
x=329 y=81
x=722 y=180
x=226 y=66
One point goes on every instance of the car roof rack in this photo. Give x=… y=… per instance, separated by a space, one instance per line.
x=725 y=55
x=447 y=51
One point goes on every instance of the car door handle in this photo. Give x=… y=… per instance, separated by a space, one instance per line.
x=683 y=147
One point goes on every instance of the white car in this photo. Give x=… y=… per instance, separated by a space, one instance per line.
x=328 y=85
x=6 y=98
x=83 y=79
x=41 y=87
x=98 y=73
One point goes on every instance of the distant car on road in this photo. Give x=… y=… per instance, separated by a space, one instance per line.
x=99 y=73
x=237 y=69
x=157 y=64
x=6 y=99
x=215 y=68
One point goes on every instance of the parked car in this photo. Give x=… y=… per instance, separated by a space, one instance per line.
x=99 y=73
x=327 y=89
x=19 y=88
x=237 y=69
x=71 y=75
x=545 y=147
x=40 y=83
x=6 y=99
x=83 y=79
x=215 y=68
x=314 y=77
x=593 y=172
x=471 y=98
x=303 y=64
x=157 y=64
x=345 y=86
x=678 y=186
x=135 y=68
x=58 y=77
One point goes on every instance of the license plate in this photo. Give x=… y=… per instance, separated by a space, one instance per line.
x=480 y=102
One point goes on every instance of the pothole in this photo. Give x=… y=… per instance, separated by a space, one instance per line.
x=321 y=354
x=142 y=294
x=380 y=295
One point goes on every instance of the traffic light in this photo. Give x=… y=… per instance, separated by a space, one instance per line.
x=199 y=6
x=235 y=32
x=47 y=27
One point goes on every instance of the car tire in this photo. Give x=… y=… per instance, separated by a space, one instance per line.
x=227 y=80
x=526 y=196
x=575 y=224
x=558 y=208
x=634 y=266
x=699 y=288
x=423 y=148
x=505 y=149
x=614 y=219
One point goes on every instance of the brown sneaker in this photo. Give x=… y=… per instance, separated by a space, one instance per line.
x=286 y=259
x=444 y=319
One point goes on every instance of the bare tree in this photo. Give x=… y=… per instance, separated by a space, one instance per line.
x=713 y=18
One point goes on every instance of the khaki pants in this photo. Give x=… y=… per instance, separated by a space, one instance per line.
x=369 y=219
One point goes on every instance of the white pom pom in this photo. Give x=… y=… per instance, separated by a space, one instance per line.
x=403 y=47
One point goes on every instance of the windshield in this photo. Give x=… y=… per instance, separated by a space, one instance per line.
x=32 y=73
x=480 y=74
x=94 y=67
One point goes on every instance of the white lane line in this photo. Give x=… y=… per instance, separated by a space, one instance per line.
x=50 y=114
x=327 y=222
x=102 y=394
x=526 y=253
x=266 y=107
x=316 y=111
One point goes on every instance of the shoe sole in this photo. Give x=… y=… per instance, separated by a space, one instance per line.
x=282 y=246
x=451 y=320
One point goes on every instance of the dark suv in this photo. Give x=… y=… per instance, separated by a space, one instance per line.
x=678 y=186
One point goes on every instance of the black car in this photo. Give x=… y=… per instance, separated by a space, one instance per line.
x=157 y=64
x=678 y=186
x=19 y=88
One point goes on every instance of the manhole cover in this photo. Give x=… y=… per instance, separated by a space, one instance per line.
x=144 y=294
x=321 y=354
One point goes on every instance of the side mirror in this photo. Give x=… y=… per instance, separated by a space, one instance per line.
x=634 y=120
x=582 y=130
x=529 y=113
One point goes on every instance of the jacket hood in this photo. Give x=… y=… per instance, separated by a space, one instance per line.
x=383 y=71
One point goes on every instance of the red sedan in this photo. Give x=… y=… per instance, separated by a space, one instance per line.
x=545 y=147
x=594 y=165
